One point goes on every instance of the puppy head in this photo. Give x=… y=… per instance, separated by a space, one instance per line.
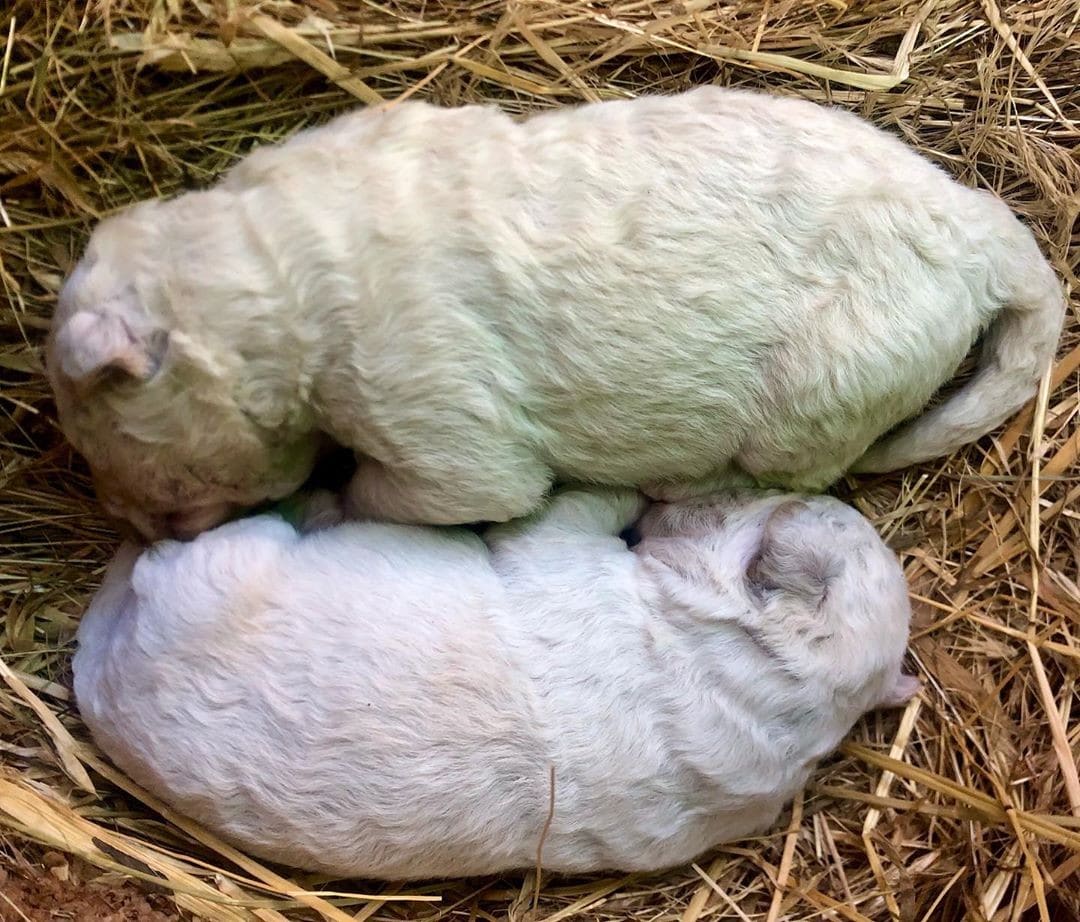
x=808 y=580
x=168 y=417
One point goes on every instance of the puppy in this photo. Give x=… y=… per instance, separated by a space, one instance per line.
x=679 y=293
x=387 y=701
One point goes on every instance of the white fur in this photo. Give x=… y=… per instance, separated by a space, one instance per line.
x=675 y=293
x=386 y=701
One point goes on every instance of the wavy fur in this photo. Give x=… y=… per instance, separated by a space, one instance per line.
x=677 y=293
x=386 y=701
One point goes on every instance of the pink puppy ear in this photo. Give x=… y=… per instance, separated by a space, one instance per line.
x=90 y=343
x=904 y=688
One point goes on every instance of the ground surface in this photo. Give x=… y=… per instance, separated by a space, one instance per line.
x=74 y=893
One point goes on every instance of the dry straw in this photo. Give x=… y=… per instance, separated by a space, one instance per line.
x=965 y=806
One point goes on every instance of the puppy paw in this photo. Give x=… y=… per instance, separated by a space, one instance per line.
x=313 y=511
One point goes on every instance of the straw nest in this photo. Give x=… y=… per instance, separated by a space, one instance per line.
x=965 y=805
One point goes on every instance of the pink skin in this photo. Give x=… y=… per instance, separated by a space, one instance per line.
x=905 y=688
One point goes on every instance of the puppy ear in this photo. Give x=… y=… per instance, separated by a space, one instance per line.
x=90 y=344
x=790 y=559
x=902 y=690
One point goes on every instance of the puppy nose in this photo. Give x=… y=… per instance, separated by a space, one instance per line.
x=137 y=528
x=179 y=528
x=190 y=523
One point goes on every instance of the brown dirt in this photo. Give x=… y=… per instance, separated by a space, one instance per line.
x=58 y=891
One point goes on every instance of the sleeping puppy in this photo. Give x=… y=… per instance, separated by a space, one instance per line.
x=386 y=701
x=680 y=293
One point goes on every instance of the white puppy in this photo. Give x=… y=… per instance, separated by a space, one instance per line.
x=387 y=701
x=677 y=293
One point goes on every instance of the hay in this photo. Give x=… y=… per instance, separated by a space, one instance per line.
x=966 y=805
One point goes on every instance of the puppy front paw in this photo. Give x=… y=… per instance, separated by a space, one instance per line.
x=323 y=509
x=313 y=510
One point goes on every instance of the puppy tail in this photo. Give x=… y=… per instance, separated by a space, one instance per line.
x=1017 y=350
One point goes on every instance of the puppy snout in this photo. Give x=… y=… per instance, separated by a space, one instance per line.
x=136 y=524
x=189 y=523
x=137 y=527
x=179 y=528
x=129 y=533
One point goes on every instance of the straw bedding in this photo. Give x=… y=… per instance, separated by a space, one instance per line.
x=966 y=805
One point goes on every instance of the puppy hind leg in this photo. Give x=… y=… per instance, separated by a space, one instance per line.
x=729 y=477
x=399 y=494
x=805 y=476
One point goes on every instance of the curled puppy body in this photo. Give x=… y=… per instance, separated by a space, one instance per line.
x=679 y=293
x=380 y=700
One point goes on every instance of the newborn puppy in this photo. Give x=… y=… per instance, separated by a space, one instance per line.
x=678 y=293
x=387 y=701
